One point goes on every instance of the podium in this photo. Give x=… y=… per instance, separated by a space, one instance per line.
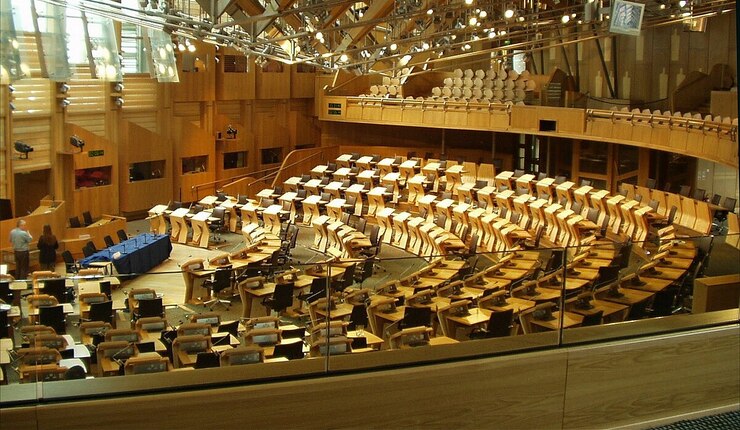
x=356 y=190
x=179 y=231
x=201 y=234
x=157 y=224
x=454 y=177
x=230 y=206
x=401 y=230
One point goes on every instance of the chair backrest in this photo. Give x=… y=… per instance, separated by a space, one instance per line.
x=593 y=319
x=684 y=190
x=716 y=199
x=213 y=319
x=102 y=311
x=500 y=323
x=415 y=317
x=122 y=335
x=221 y=279
x=650 y=183
x=87 y=251
x=291 y=351
x=53 y=316
x=699 y=194
x=74 y=222
x=729 y=203
x=219 y=213
x=151 y=308
x=283 y=296
x=108 y=241
x=207 y=359
x=121 y=235
x=87 y=217
x=56 y=287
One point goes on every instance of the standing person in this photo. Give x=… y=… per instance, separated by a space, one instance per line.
x=48 y=246
x=21 y=238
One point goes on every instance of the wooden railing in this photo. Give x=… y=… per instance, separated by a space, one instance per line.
x=702 y=138
x=301 y=161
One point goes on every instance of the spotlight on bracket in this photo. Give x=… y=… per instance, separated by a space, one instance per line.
x=231 y=132
x=75 y=141
x=23 y=148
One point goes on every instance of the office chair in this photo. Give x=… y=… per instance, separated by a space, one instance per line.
x=663 y=303
x=348 y=279
x=87 y=251
x=53 y=316
x=699 y=194
x=222 y=280
x=651 y=183
x=70 y=264
x=207 y=359
x=108 y=241
x=87 y=218
x=416 y=317
x=281 y=299
x=716 y=199
x=318 y=289
x=6 y=295
x=122 y=236
x=217 y=223
x=500 y=324
x=684 y=190
x=57 y=287
x=102 y=311
x=92 y=246
x=358 y=317
x=74 y=222
x=365 y=272
x=5 y=329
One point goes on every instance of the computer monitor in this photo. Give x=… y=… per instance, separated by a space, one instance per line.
x=291 y=351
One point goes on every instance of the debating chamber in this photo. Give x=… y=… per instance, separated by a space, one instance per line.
x=380 y=214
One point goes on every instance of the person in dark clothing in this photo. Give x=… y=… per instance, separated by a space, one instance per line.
x=48 y=246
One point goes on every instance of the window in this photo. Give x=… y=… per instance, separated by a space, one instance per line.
x=146 y=170
x=234 y=160
x=235 y=64
x=132 y=45
x=196 y=164
x=92 y=177
x=272 y=155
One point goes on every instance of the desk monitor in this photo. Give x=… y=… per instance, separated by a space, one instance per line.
x=124 y=337
x=231 y=327
x=207 y=359
x=415 y=317
x=244 y=357
x=194 y=346
x=210 y=320
x=139 y=365
x=266 y=339
x=334 y=328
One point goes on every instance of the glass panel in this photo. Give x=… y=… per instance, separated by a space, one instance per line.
x=92 y=177
x=10 y=58
x=272 y=155
x=52 y=27
x=163 y=56
x=104 y=48
x=629 y=159
x=146 y=170
x=233 y=160
x=593 y=157
x=194 y=164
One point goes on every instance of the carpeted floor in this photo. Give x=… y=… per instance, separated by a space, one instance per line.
x=725 y=421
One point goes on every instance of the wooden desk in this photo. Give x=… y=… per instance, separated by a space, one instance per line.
x=342 y=310
x=715 y=293
x=179 y=231
x=569 y=320
x=157 y=223
x=373 y=341
x=516 y=304
x=475 y=317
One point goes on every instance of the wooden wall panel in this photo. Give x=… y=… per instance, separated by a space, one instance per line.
x=86 y=95
x=624 y=384
x=92 y=122
x=98 y=200
x=140 y=144
x=197 y=85
x=140 y=93
x=273 y=84
x=188 y=111
x=192 y=141
x=301 y=83
x=145 y=119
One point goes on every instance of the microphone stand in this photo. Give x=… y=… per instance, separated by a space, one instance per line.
x=121 y=363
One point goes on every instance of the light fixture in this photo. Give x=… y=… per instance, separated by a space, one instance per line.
x=483 y=14
x=23 y=148
x=682 y=3
x=63 y=103
x=393 y=46
x=430 y=11
x=425 y=46
x=191 y=48
x=509 y=13
x=565 y=19
x=473 y=20
x=320 y=35
x=343 y=58
x=75 y=141
x=63 y=88
x=118 y=87
x=118 y=101
x=181 y=46
x=468 y=2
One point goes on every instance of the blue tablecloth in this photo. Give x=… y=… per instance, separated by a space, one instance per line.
x=138 y=254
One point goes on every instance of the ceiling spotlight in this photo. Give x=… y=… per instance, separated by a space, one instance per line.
x=23 y=148
x=682 y=3
x=565 y=19
x=425 y=46
x=118 y=87
x=63 y=88
x=393 y=46
x=191 y=48
x=466 y=47
x=483 y=14
x=75 y=141
x=118 y=101
x=509 y=13
x=521 y=19
x=430 y=11
x=320 y=35
x=343 y=58
x=181 y=47
x=468 y=2
x=473 y=21
x=231 y=132
x=63 y=103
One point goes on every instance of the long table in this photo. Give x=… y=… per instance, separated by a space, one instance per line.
x=137 y=255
